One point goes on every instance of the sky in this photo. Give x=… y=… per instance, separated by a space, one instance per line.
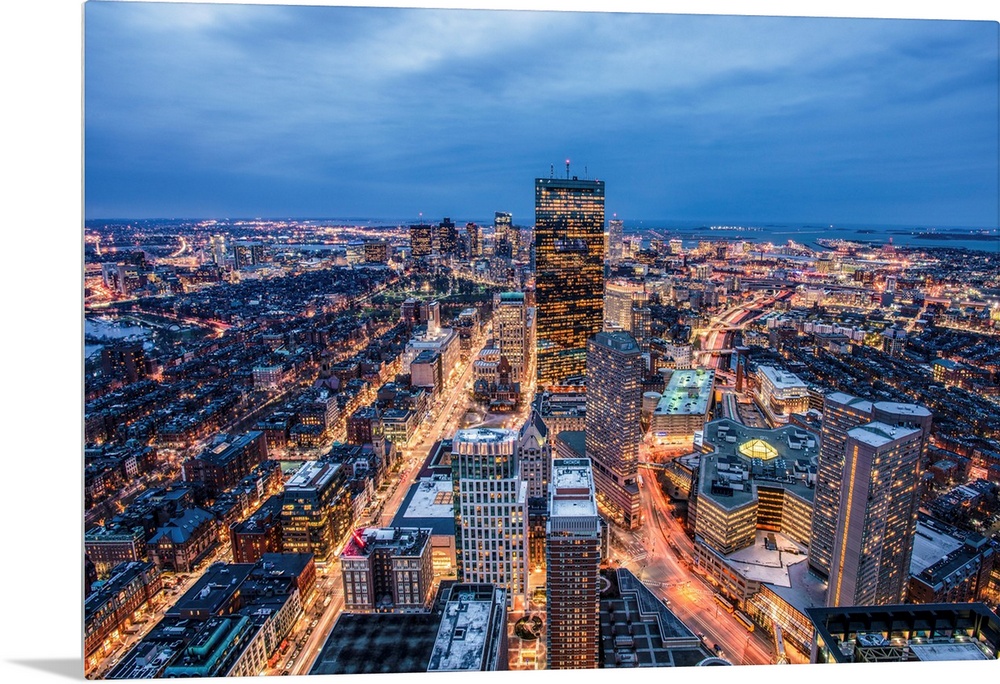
x=209 y=110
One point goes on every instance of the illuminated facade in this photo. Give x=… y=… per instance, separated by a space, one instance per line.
x=491 y=510
x=842 y=413
x=421 y=240
x=572 y=566
x=316 y=510
x=510 y=320
x=877 y=518
x=613 y=433
x=387 y=569
x=615 y=230
x=569 y=274
x=753 y=479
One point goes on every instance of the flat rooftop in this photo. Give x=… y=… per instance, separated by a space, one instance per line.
x=782 y=379
x=688 y=393
x=760 y=564
x=370 y=643
x=312 y=475
x=930 y=546
x=878 y=434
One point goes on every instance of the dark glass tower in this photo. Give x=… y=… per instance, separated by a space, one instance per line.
x=569 y=274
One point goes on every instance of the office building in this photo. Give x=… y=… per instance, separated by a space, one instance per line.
x=534 y=453
x=619 y=298
x=387 y=569
x=572 y=567
x=491 y=529
x=124 y=361
x=504 y=234
x=613 y=432
x=683 y=408
x=615 y=232
x=637 y=630
x=421 y=240
x=472 y=635
x=258 y=534
x=781 y=393
x=473 y=241
x=569 y=274
x=376 y=252
x=248 y=254
x=510 y=322
x=316 y=510
x=877 y=516
x=106 y=547
x=223 y=464
x=446 y=237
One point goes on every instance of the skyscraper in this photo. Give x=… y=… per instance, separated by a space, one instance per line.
x=510 y=322
x=875 y=526
x=615 y=233
x=421 y=240
x=447 y=237
x=502 y=230
x=473 y=240
x=569 y=274
x=614 y=403
x=572 y=562
x=491 y=531
x=841 y=414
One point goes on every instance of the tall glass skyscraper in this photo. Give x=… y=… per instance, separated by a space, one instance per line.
x=569 y=274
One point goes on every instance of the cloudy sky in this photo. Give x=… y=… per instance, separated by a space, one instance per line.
x=280 y=111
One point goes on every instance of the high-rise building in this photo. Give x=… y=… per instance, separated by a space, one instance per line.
x=473 y=240
x=572 y=562
x=125 y=361
x=491 y=515
x=248 y=254
x=534 y=451
x=876 y=523
x=421 y=240
x=615 y=231
x=569 y=274
x=376 y=252
x=446 y=237
x=502 y=233
x=613 y=433
x=842 y=413
x=316 y=509
x=510 y=322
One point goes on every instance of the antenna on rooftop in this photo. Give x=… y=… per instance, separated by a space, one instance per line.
x=552 y=170
x=567 y=169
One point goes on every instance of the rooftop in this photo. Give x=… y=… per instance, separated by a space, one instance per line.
x=687 y=393
x=781 y=379
x=378 y=642
x=878 y=434
x=312 y=475
x=469 y=629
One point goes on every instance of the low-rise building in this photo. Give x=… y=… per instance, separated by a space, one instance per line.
x=683 y=408
x=387 y=569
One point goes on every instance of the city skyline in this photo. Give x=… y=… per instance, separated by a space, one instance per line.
x=288 y=111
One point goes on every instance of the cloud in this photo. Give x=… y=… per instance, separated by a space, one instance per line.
x=447 y=102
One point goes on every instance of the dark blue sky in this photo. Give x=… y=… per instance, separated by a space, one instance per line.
x=277 y=111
